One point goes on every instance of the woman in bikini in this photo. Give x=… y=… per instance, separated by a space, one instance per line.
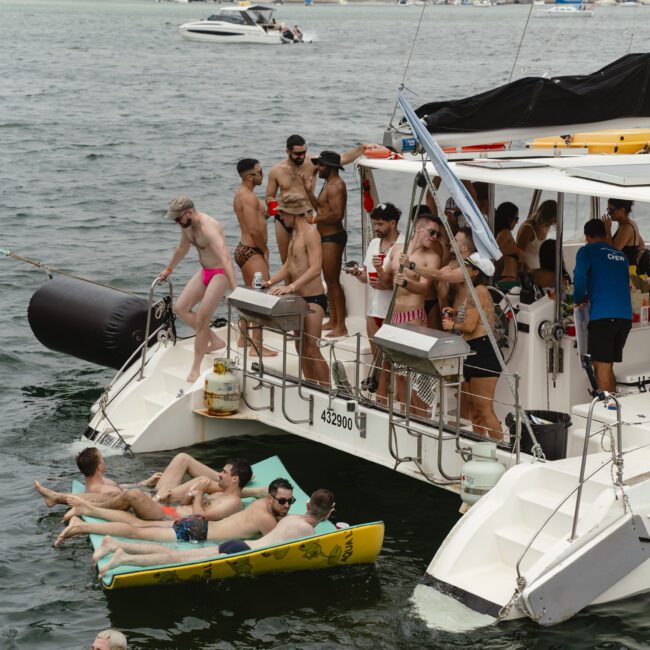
x=481 y=371
x=506 y=217
x=534 y=231
x=626 y=238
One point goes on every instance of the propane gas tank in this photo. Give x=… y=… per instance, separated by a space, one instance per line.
x=221 y=394
x=479 y=475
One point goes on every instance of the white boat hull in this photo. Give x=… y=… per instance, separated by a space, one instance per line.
x=202 y=33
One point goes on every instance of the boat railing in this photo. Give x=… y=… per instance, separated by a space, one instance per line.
x=616 y=459
x=148 y=337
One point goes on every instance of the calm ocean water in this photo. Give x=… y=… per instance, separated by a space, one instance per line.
x=106 y=114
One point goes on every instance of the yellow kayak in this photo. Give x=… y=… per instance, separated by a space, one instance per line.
x=623 y=141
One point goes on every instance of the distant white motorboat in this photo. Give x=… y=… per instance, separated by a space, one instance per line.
x=247 y=24
x=481 y=3
x=567 y=11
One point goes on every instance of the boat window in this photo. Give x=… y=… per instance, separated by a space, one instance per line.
x=234 y=17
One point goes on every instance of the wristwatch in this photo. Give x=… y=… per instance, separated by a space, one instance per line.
x=412 y=266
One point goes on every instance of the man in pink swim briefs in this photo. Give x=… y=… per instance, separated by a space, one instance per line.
x=206 y=288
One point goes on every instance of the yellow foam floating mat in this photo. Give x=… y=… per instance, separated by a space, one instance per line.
x=330 y=547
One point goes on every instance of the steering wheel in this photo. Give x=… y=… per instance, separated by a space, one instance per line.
x=505 y=323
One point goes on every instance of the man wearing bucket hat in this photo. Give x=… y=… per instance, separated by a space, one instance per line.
x=301 y=273
x=207 y=286
x=330 y=206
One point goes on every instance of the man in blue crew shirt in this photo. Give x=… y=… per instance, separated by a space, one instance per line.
x=602 y=275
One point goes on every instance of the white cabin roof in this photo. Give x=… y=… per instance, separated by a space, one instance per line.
x=551 y=174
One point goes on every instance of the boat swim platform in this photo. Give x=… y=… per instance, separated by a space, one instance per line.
x=329 y=547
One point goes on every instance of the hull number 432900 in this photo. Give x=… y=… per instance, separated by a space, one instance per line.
x=336 y=419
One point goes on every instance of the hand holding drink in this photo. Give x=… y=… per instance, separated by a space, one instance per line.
x=273 y=207
x=378 y=261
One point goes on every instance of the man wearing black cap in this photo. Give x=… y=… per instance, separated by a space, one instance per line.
x=330 y=207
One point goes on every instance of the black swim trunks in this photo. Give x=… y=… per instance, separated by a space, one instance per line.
x=243 y=253
x=607 y=337
x=317 y=300
x=337 y=238
x=233 y=546
x=280 y=220
x=482 y=364
x=191 y=529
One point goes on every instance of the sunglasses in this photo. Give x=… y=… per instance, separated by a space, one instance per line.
x=299 y=154
x=283 y=500
x=434 y=233
x=181 y=215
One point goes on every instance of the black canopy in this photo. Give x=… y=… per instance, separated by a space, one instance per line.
x=619 y=90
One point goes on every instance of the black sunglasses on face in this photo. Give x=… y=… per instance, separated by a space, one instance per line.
x=299 y=154
x=434 y=233
x=283 y=500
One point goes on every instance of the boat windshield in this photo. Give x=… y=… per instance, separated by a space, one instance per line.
x=235 y=17
x=262 y=16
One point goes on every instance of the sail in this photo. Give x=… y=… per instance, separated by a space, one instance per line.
x=617 y=96
x=483 y=238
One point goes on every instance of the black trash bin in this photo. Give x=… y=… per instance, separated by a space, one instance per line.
x=552 y=437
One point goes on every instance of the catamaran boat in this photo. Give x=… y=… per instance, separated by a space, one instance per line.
x=561 y=513
x=247 y=24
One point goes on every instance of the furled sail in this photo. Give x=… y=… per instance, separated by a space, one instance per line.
x=617 y=96
x=484 y=240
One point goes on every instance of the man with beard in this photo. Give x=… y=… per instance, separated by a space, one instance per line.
x=295 y=175
x=252 y=252
x=259 y=518
x=330 y=207
x=209 y=284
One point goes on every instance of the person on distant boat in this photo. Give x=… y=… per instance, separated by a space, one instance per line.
x=252 y=252
x=506 y=218
x=301 y=273
x=383 y=219
x=297 y=33
x=292 y=527
x=259 y=518
x=330 y=207
x=627 y=238
x=295 y=175
x=206 y=287
x=224 y=490
x=602 y=276
x=534 y=231
x=225 y=499
x=110 y=640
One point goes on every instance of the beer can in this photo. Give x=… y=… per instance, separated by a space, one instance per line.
x=257 y=280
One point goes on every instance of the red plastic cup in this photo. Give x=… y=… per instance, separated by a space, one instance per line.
x=571 y=330
x=382 y=257
x=273 y=208
x=372 y=274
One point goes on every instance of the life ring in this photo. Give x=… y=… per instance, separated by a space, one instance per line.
x=379 y=152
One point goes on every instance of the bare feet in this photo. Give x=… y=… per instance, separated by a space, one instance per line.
x=117 y=559
x=152 y=480
x=339 y=331
x=72 y=512
x=107 y=546
x=162 y=496
x=328 y=325
x=73 y=528
x=79 y=505
x=266 y=352
x=193 y=376
x=50 y=497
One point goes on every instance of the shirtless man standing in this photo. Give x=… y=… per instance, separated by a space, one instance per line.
x=302 y=275
x=414 y=287
x=330 y=207
x=319 y=507
x=209 y=284
x=260 y=517
x=295 y=175
x=252 y=252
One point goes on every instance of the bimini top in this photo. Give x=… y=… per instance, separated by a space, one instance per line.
x=624 y=176
x=617 y=96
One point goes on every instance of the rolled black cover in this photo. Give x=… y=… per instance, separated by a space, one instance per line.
x=91 y=322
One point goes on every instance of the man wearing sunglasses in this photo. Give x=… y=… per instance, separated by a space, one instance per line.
x=297 y=175
x=319 y=508
x=207 y=286
x=260 y=518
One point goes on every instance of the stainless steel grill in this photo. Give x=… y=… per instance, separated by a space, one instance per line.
x=423 y=349
x=275 y=312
